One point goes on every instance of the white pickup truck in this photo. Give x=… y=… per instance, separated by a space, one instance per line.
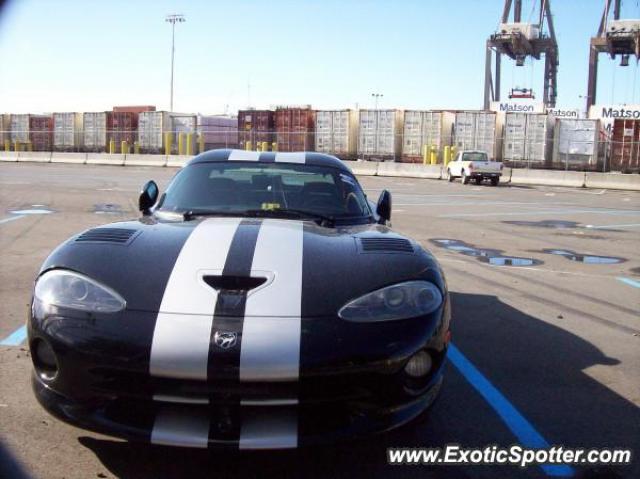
x=474 y=164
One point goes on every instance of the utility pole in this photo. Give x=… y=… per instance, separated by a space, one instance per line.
x=173 y=19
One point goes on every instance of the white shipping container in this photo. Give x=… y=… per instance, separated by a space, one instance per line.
x=538 y=136
x=526 y=137
x=67 y=131
x=336 y=132
x=476 y=130
x=94 y=131
x=515 y=125
x=152 y=126
x=430 y=128
x=380 y=133
x=19 y=128
x=576 y=141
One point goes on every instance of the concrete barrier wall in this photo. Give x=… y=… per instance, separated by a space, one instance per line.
x=409 y=170
x=616 y=181
x=177 y=161
x=145 y=160
x=613 y=181
x=35 y=156
x=105 y=159
x=8 y=156
x=548 y=178
x=77 y=158
x=363 y=168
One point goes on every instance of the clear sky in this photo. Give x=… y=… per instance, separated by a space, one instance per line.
x=88 y=55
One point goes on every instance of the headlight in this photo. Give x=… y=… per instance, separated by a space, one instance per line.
x=400 y=301
x=72 y=290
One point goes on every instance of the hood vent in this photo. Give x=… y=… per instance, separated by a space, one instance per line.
x=233 y=283
x=386 y=245
x=107 y=235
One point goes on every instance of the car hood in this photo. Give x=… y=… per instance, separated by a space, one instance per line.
x=305 y=270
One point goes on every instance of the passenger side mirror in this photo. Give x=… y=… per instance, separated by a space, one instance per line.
x=383 y=209
x=148 y=197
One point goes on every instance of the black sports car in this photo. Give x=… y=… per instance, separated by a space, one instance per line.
x=259 y=302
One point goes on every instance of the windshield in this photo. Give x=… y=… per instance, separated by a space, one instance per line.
x=474 y=156
x=231 y=187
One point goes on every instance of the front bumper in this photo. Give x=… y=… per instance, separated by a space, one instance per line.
x=236 y=427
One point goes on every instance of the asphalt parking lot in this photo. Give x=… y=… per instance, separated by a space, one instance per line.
x=549 y=320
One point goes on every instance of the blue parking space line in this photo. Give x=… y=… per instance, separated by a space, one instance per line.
x=516 y=422
x=16 y=338
x=629 y=281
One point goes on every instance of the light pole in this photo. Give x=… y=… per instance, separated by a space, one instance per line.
x=377 y=96
x=173 y=19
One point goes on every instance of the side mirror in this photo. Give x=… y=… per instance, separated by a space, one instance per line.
x=383 y=209
x=148 y=197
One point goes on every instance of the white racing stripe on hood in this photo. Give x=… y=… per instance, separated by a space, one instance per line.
x=185 y=428
x=270 y=347
x=180 y=347
x=242 y=155
x=290 y=157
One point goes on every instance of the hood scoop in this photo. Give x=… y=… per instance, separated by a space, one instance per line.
x=233 y=283
x=107 y=235
x=386 y=245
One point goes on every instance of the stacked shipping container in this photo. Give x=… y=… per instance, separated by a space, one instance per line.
x=67 y=131
x=625 y=146
x=380 y=133
x=526 y=138
x=154 y=125
x=295 y=128
x=430 y=129
x=476 y=130
x=576 y=144
x=218 y=131
x=94 y=131
x=337 y=133
x=255 y=126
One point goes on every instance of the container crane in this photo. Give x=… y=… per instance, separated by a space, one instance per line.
x=615 y=37
x=519 y=40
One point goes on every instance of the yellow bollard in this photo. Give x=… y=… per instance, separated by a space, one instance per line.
x=447 y=155
x=136 y=147
x=425 y=154
x=433 y=155
x=200 y=143
x=168 y=140
x=16 y=146
x=247 y=145
x=181 y=143
x=112 y=146
x=124 y=146
x=189 y=144
x=274 y=146
x=7 y=145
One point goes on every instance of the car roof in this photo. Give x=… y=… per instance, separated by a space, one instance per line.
x=303 y=157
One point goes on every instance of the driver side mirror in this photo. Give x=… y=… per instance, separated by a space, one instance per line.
x=148 y=197
x=383 y=209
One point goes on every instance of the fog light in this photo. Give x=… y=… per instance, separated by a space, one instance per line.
x=419 y=365
x=44 y=359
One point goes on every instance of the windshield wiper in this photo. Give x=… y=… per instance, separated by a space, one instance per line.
x=293 y=213
x=190 y=214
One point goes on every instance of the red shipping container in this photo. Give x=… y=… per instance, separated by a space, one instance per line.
x=41 y=132
x=134 y=108
x=122 y=126
x=295 y=129
x=625 y=146
x=255 y=126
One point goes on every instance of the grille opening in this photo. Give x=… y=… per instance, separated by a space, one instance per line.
x=233 y=283
x=397 y=245
x=107 y=235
